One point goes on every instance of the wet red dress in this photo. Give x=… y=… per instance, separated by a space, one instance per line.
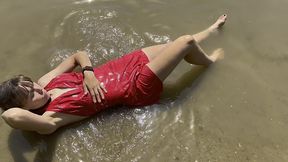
x=127 y=79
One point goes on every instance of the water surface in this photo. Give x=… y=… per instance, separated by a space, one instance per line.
x=236 y=110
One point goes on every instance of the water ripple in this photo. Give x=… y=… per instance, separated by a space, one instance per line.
x=83 y=1
x=98 y=31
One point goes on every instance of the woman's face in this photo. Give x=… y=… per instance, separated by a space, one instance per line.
x=37 y=97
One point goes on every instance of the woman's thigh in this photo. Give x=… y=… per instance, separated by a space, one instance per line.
x=171 y=55
x=153 y=51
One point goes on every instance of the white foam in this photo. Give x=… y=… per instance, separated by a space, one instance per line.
x=83 y=1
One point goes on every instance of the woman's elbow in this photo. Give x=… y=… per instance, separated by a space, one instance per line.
x=11 y=117
x=82 y=52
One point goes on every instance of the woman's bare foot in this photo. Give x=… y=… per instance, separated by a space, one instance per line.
x=213 y=29
x=217 y=54
x=218 y=24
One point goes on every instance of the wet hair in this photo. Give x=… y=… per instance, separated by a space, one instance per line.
x=13 y=92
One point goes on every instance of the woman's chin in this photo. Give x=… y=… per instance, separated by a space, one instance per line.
x=47 y=98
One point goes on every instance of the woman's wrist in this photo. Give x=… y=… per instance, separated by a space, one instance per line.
x=88 y=74
x=87 y=68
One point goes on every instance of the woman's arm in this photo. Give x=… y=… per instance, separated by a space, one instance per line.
x=26 y=120
x=79 y=58
x=90 y=83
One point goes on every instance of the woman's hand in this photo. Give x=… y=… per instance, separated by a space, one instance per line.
x=93 y=86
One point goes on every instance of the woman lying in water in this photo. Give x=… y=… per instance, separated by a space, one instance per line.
x=61 y=96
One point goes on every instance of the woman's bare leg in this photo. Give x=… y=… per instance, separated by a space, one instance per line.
x=170 y=56
x=153 y=51
x=199 y=37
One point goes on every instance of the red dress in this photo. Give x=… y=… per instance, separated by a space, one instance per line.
x=128 y=81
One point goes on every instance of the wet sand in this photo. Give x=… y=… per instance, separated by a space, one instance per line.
x=235 y=110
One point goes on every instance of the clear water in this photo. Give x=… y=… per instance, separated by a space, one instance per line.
x=236 y=110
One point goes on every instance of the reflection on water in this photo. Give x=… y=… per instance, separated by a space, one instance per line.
x=101 y=32
x=124 y=135
x=235 y=110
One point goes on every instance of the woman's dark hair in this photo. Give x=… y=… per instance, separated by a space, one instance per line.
x=13 y=92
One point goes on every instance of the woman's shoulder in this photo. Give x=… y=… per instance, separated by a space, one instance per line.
x=67 y=79
x=45 y=79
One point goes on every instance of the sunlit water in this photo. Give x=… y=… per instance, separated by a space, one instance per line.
x=235 y=110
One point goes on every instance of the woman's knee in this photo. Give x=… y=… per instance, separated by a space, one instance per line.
x=185 y=39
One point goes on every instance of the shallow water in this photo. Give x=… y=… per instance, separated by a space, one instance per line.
x=236 y=110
